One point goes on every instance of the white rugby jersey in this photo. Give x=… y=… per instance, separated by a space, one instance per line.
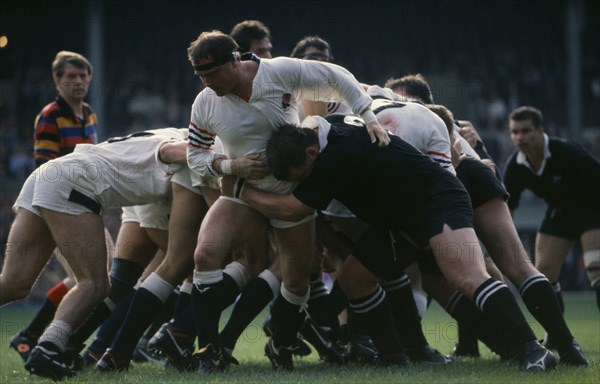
x=417 y=125
x=245 y=127
x=124 y=171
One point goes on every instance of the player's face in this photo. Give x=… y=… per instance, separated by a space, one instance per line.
x=220 y=78
x=262 y=48
x=73 y=85
x=525 y=136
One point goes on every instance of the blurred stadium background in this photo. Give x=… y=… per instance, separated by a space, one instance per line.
x=482 y=59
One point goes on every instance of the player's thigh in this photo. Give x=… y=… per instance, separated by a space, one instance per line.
x=227 y=225
x=590 y=240
x=134 y=244
x=82 y=242
x=459 y=257
x=295 y=247
x=495 y=228
x=28 y=248
x=550 y=252
x=188 y=209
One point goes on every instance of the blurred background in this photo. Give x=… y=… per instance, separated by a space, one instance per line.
x=481 y=58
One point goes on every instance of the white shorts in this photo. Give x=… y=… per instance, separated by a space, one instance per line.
x=183 y=177
x=154 y=215
x=274 y=222
x=47 y=187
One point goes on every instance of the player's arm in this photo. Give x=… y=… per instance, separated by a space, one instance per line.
x=47 y=140
x=174 y=152
x=343 y=86
x=273 y=205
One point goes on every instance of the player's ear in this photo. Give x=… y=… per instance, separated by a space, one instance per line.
x=311 y=153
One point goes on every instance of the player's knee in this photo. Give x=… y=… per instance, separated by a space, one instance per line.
x=14 y=289
x=95 y=289
x=591 y=261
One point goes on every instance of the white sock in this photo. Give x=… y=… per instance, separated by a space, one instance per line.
x=57 y=333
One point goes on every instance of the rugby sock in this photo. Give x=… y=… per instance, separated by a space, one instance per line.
x=213 y=292
x=318 y=294
x=372 y=315
x=466 y=344
x=469 y=316
x=110 y=326
x=404 y=309
x=57 y=333
x=287 y=316
x=165 y=314
x=539 y=298
x=500 y=308
x=45 y=315
x=235 y=279
x=147 y=301
x=184 y=299
x=123 y=276
x=558 y=292
x=183 y=314
x=331 y=307
x=255 y=297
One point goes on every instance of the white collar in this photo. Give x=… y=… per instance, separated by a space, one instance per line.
x=323 y=125
x=522 y=158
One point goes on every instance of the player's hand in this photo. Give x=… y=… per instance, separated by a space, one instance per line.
x=468 y=132
x=251 y=167
x=490 y=164
x=377 y=132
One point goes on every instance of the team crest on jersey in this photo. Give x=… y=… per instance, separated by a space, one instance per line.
x=285 y=101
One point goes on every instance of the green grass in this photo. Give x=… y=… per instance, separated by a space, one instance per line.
x=582 y=316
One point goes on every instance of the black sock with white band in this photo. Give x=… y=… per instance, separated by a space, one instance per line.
x=539 y=298
x=500 y=308
x=372 y=315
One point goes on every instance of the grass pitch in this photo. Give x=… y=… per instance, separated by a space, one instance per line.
x=582 y=316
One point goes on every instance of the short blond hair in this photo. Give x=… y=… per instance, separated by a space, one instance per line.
x=74 y=58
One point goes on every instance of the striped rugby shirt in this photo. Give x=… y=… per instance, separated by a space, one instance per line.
x=58 y=130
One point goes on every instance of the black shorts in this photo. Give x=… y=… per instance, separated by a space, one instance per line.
x=453 y=209
x=568 y=224
x=480 y=181
x=385 y=254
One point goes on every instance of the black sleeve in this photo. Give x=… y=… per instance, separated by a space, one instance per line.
x=513 y=182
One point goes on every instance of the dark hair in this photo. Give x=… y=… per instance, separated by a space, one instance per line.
x=528 y=113
x=246 y=31
x=445 y=114
x=413 y=86
x=287 y=148
x=76 y=59
x=311 y=41
x=213 y=45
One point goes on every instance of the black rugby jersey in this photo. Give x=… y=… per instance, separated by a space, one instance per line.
x=570 y=179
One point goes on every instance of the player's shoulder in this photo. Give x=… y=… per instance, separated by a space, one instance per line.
x=50 y=109
x=280 y=64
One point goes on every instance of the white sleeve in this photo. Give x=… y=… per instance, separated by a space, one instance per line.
x=168 y=168
x=328 y=82
x=200 y=154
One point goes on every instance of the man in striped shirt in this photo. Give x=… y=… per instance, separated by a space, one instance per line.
x=68 y=120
